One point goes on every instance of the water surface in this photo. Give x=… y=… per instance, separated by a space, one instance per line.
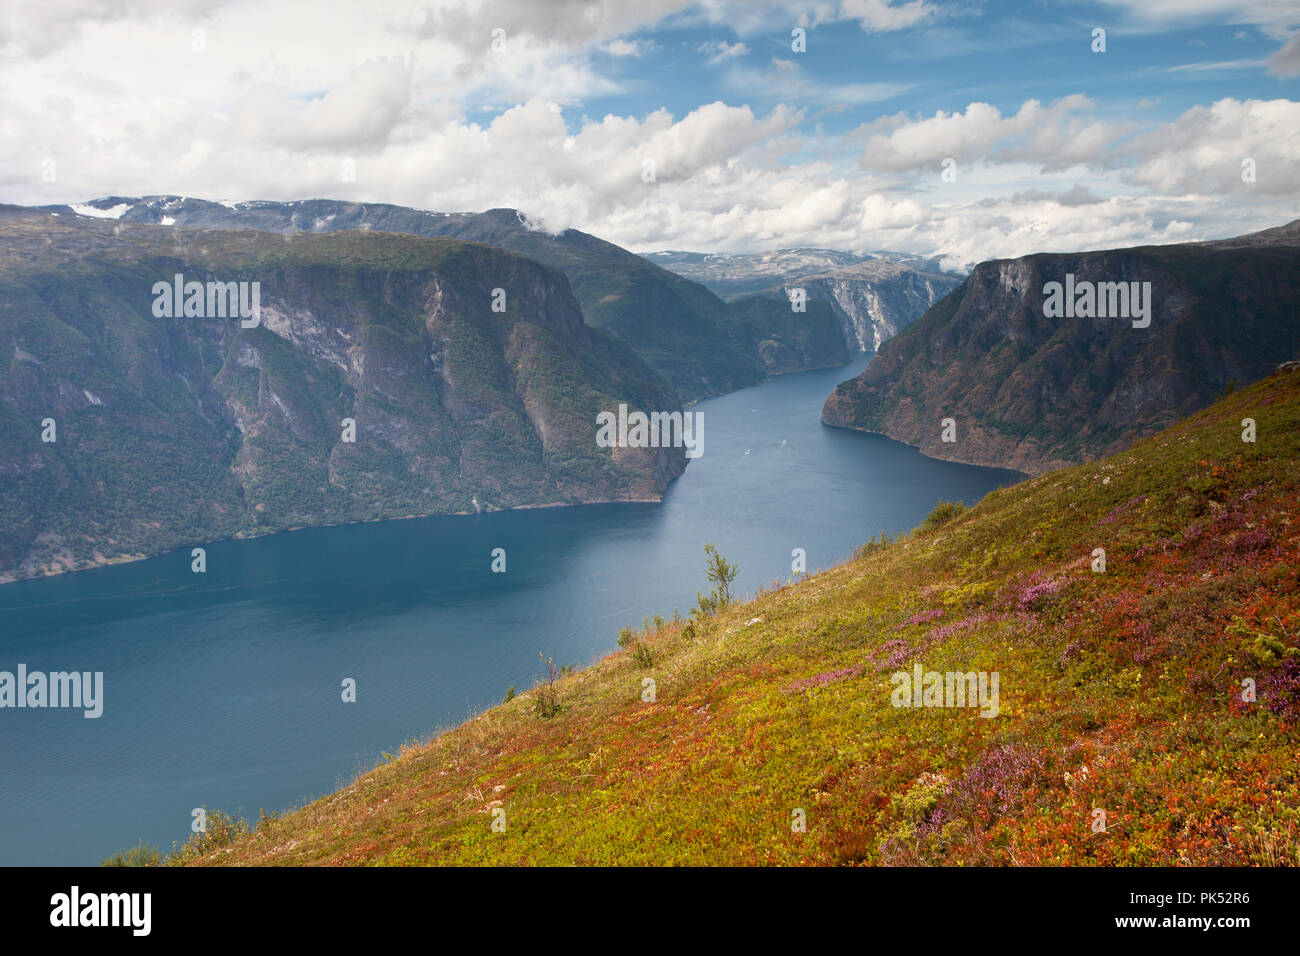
x=222 y=690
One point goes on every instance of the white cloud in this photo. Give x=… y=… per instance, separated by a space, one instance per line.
x=1272 y=15
x=284 y=99
x=1216 y=65
x=358 y=113
x=1202 y=151
x=1056 y=135
x=1043 y=178
x=620 y=47
x=719 y=51
x=38 y=28
x=880 y=16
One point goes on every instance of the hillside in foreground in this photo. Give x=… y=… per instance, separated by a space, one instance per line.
x=1120 y=691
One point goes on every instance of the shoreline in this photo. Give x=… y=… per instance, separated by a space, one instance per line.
x=954 y=461
x=6 y=578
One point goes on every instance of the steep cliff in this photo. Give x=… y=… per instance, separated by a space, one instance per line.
x=876 y=300
x=873 y=296
x=171 y=431
x=1034 y=391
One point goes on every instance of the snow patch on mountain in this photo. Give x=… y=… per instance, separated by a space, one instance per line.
x=112 y=212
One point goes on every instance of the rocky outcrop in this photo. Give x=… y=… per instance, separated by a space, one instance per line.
x=875 y=300
x=1032 y=391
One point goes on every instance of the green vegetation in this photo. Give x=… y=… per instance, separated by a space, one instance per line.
x=139 y=855
x=173 y=433
x=222 y=832
x=1126 y=690
x=643 y=654
x=720 y=573
x=546 y=694
x=943 y=512
x=873 y=544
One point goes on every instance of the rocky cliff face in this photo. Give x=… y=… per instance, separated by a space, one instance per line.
x=875 y=300
x=1030 y=391
x=872 y=296
x=173 y=431
x=702 y=345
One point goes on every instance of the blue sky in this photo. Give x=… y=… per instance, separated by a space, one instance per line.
x=998 y=53
x=556 y=107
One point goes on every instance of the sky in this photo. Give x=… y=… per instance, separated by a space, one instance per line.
x=969 y=129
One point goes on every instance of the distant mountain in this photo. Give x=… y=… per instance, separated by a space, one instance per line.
x=1034 y=391
x=731 y=276
x=172 y=432
x=875 y=300
x=701 y=344
x=873 y=296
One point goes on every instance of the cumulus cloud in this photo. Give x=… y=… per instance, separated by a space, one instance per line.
x=1057 y=135
x=1203 y=149
x=358 y=113
x=36 y=29
x=417 y=105
x=621 y=47
x=725 y=179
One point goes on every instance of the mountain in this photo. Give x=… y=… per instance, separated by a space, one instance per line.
x=1033 y=392
x=701 y=344
x=1163 y=691
x=731 y=276
x=873 y=296
x=876 y=300
x=169 y=432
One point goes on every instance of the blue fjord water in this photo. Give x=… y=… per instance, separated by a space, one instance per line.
x=222 y=690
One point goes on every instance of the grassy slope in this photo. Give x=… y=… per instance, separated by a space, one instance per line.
x=1134 y=674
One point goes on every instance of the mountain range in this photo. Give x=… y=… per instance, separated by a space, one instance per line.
x=702 y=345
x=170 y=431
x=173 y=430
